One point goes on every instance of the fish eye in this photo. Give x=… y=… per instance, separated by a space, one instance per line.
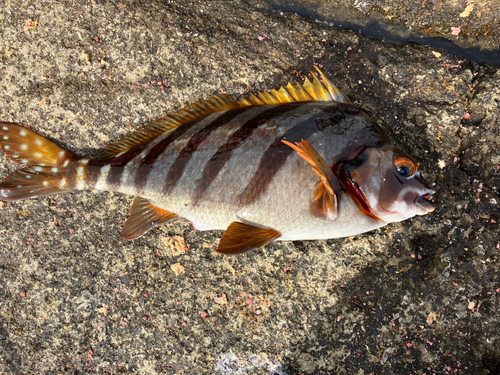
x=404 y=170
x=406 y=167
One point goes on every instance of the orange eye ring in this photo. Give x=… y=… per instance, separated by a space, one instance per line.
x=406 y=167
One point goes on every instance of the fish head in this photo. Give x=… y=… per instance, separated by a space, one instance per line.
x=387 y=184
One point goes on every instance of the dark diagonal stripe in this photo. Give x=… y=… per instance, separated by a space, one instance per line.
x=141 y=177
x=276 y=154
x=92 y=173
x=223 y=154
x=114 y=177
x=194 y=142
x=71 y=177
x=117 y=165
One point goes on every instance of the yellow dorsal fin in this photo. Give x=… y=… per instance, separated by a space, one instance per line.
x=309 y=91
x=191 y=112
x=334 y=92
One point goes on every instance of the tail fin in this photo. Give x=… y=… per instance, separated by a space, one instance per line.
x=43 y=164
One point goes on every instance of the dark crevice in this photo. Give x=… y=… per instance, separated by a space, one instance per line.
x=389 y=32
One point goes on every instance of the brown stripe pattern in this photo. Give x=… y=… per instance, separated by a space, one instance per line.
x=114 y=177
x=224 y=152
x=177 y=169
x=117 y=166
x=92 y=174
x=272 y=160
x=141 y=177
x=276 y=155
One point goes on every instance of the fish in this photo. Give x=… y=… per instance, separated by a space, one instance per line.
x=298 y=163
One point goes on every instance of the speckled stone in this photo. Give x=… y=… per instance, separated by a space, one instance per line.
x=471 y=25
x=418 y=297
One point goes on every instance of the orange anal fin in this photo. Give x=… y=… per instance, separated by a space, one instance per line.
x=144 y=217
x=240 y=238
x=324 y=203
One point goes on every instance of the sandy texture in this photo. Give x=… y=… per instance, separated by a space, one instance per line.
x=419 y=297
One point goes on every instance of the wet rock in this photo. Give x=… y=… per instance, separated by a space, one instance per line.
x=468 y=29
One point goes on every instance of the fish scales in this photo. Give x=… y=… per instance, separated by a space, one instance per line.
x=170 y=165
x=242 y=165
x=224 y=152
x=194 y=141
x=224 y=192
x=263 y=125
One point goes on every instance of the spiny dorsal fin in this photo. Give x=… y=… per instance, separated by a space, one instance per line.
x=334 y=92
x=309 y=91
x=144 y=217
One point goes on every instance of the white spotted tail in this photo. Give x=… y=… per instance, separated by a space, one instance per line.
x=44 y=164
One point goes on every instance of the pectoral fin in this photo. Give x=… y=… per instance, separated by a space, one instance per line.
x=144 y=217
x=324 y=203
x=240 y=238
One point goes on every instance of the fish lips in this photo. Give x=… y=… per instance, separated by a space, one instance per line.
x=424 y=206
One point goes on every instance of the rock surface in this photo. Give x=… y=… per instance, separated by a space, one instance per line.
x=422 y=296
x=470 y=25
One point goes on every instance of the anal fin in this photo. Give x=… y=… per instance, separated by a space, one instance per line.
x=143 y=217
x=240 y=238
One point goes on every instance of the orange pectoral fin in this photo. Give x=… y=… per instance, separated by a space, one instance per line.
x=324 y=203
x=144 y=217
x=240 y=238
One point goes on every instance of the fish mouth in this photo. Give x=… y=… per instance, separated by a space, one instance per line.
x=424 y=206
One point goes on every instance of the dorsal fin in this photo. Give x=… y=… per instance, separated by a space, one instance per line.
x=193 y=111
x=309 y=91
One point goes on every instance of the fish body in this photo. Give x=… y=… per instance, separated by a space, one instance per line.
x=216 y=184
x=300 y=163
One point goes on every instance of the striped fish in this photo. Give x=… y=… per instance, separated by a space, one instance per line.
x=297 y=163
